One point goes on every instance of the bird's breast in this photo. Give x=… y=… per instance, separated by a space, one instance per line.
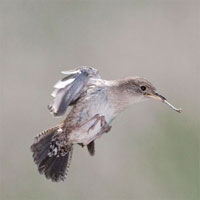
x=94 y=104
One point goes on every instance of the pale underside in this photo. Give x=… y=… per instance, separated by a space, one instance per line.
x=94 y=102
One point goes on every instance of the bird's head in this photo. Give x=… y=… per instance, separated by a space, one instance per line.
x=140 y=89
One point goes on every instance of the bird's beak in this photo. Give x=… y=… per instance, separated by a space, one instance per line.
x=164 y=100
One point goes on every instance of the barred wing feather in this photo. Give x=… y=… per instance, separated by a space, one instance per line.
x=69 y=89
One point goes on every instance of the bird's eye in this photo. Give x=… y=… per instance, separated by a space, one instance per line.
x=143 y=88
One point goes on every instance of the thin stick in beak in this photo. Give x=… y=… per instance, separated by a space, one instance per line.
x=179 y=110
x=163 y=99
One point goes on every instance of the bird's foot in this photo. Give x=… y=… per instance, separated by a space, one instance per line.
x=104 y=125
x=107 y=128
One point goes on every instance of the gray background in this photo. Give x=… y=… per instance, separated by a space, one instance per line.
x=152 y=152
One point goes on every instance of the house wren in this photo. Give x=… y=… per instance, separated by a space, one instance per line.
x=94 y=104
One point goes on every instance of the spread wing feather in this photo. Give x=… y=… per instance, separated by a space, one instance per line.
x=69 y=89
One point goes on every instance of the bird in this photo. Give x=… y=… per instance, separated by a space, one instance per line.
x=93 y=103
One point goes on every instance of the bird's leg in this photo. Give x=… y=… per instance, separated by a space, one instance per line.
x=98 y=118
x=94 y=117
x=103 y=130
x=104 y=125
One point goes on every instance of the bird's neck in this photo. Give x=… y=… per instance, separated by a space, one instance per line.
x=120 y=98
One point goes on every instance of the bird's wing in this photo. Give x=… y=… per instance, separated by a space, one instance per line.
x=69 y=89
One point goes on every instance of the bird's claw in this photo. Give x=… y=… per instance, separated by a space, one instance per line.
x=104 y=125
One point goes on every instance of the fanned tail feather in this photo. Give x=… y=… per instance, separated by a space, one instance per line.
x=51 y=162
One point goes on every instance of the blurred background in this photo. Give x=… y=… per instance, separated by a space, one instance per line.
x=152 y=152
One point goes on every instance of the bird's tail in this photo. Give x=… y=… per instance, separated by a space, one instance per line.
x=52 y=154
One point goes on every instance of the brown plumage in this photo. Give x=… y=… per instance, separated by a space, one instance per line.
x=95 y=103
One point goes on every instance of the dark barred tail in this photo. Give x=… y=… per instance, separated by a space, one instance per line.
x=51 y=154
